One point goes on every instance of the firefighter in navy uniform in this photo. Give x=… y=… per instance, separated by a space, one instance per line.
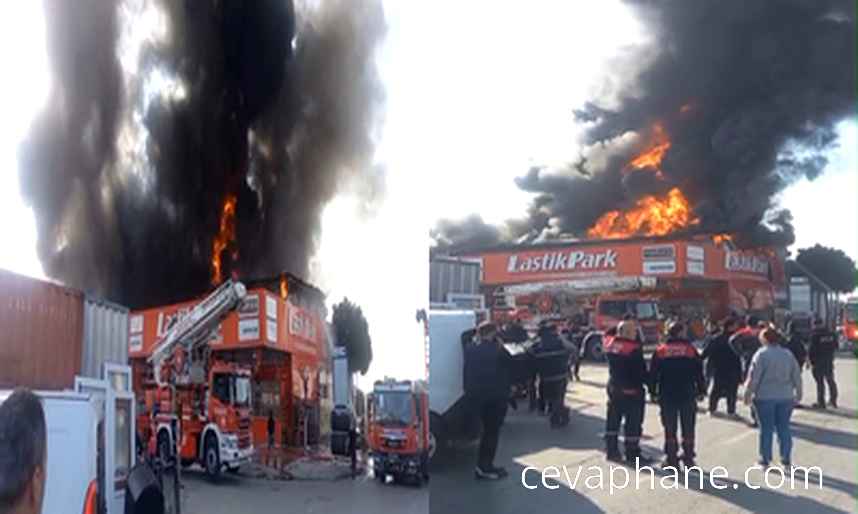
x=745 y=341
x=726 y=368
x=487 y=387
x=552 y=363
x=823 y=345
x=626 y=395
x=798 y=347
x=676 y=374
x=796 y=344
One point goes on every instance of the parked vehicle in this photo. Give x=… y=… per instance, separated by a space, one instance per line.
x=400 y=442
x=198 y=407
x=850 y=320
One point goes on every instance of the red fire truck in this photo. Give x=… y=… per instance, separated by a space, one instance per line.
x=398 y=434
x=196 y=406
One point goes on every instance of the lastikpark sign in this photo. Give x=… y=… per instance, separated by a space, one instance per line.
x=563 y=261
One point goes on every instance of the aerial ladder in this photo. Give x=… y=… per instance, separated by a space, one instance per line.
x=191 y=333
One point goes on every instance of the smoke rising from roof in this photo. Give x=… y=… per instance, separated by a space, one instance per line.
x=129 y=163
x=749 y=94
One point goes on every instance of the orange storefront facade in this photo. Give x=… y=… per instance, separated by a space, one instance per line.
x=713 y=277
x=284 y=343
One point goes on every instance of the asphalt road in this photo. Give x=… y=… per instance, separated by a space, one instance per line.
x=235 y=494
x=828 y=439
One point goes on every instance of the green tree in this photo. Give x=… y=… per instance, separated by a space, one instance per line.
x=832 y=266
x=352 y=332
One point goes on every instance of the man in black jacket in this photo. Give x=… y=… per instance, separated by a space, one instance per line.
x=552 y=360
x=797 y=346
x=726 y=367
x=486 y=384
x=626 y=395
x=746 y=342
x=676 y=374
x=823 y=345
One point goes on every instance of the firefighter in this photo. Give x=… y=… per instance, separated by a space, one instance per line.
x=796 y=345
x=726 y=368
x=676 y=375
x=823 y=345
x=487 y=387
x=552 y=361
x=745 y=341
x=626 y=395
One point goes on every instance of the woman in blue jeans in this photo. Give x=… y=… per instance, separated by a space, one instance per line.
x=774 y=385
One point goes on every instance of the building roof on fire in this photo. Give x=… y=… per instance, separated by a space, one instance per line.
x=562 y=243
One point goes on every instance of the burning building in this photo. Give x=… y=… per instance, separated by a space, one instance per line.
x=673 y=202
x=280 y=334
x=599 y=281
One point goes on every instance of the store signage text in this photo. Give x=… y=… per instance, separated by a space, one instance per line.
x=563 y=261
x=750 y=263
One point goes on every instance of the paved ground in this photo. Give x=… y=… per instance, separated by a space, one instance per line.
x=828 y=439
x=240 y=494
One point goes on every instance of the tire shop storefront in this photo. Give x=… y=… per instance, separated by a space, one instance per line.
x=279 y=333
x=688 y=277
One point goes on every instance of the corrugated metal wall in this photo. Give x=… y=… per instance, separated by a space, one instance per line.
x=105 y=336
x=448 y=275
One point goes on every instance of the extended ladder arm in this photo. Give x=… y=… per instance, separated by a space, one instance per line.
x=198 y=325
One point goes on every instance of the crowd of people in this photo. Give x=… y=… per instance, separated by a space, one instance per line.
x=678 y=376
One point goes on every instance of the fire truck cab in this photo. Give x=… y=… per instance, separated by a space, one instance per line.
x=215 y=420
x=610 y=309
x=399 y=440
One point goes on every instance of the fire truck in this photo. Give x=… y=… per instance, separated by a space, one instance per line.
x=198 y=407
x=400 y=443
x=850 y=319
x=610 y=309
x=602 y=303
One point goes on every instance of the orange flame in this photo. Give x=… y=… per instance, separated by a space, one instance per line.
x=720 y=238
x=224 y=238
x=651 y=217
x=652 y=157
x=284 y=287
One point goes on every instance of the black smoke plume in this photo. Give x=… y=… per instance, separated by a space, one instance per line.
x=128 y=165
x=749 y=94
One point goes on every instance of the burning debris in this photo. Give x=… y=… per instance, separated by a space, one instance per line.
x=166 y=160
x=735 y=101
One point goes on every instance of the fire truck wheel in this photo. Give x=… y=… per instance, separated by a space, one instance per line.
x=212 y=458
x=436 y=435
x=595 y=352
